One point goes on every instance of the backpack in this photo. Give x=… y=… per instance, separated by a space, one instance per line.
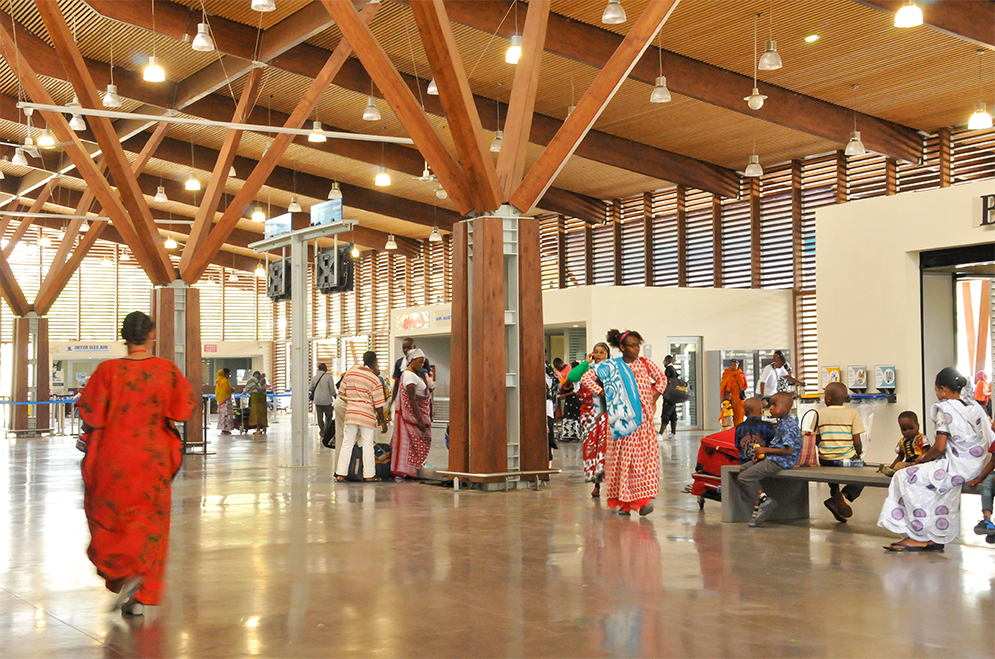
x=749 y=438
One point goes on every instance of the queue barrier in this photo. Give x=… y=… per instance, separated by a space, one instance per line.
x=59 y=417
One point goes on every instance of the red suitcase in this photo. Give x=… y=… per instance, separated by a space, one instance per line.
x=714 y=452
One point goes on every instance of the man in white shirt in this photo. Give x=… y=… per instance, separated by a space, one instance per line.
x=767 y=384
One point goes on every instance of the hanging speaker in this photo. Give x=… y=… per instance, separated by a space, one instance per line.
x=278 y=280
x=327 y=280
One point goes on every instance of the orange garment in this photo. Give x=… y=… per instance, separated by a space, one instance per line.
x=733 y=382
x=983 y=391
x=131 y=457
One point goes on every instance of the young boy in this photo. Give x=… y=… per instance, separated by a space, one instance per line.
x=782 y=453
x=838 y=438
x=753 y=430
x=913 y=443
x=987 y=481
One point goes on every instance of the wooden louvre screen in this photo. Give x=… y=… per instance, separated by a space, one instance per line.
x=602 y=258
x=734 y=240
x=632 y=259
x=549 y=250
x=973 y=155
x=866 y=176
x=664 y=237
x=699 y=239
x=776 y=246
x=913 y=177
x=575 y=251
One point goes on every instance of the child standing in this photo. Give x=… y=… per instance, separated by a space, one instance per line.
x=726 y=416
x=753 y=430
x=913 y=443
x=986 y=479
x=782 y=453
x=838 y=432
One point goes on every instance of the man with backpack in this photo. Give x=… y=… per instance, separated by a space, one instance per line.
x=322 y=394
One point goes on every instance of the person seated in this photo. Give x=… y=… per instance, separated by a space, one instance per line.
x=910 y=446
x=753 y=431
x=782 y=453
x=838 y=433
x=986 y=479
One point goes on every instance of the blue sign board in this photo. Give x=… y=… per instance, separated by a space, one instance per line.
x=326 y=212
x=277 y=226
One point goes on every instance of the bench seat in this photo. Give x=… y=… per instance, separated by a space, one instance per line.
x=790 y=488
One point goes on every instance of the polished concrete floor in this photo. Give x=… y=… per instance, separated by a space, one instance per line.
x=280 y=562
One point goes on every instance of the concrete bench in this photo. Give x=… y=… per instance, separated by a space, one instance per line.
x=790 y=488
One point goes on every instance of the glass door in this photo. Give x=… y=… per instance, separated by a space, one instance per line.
x=686 y=351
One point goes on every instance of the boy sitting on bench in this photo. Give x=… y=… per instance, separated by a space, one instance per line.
x=838 y=430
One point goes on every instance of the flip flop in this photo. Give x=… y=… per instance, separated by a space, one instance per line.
x=898 y=547
x=934 y=547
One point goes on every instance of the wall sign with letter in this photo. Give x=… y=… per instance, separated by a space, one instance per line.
x=988 y=210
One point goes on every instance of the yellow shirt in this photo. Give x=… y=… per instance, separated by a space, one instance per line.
x=837 y=426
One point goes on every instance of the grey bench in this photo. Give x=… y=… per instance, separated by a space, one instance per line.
x=790 y=488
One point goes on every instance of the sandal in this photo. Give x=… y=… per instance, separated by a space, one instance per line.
x=597 y=491
x=339 y=479
x=900 y=547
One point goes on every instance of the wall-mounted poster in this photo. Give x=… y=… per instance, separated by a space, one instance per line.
x=856 y=377
x=830 y=374
x=885 y=377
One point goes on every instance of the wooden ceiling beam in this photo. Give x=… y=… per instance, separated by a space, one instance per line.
x=571 y=204
x=593 y=46
x=12 y=205
x=11 y=291
x=204 y=221
x=404 y=104
x=75 y=149
x=26 y=222
x=305 y=23
x=592 y=104
x=139 y=217
x=457 y=99
x=521 y=105
x=276 y=149
x=970 y=20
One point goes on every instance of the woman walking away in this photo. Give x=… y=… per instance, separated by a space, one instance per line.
x=924 y=500
x=734 y=384
x=631 y=385
x=256 y=388
x=570 y=427
x=226 y=409
x=133 y=451
x=412 y=436
x=593 y=420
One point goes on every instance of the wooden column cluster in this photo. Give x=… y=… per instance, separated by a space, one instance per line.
x=169 y=337
x=31 y=347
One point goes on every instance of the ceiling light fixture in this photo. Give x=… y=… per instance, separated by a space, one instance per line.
x=371 y=112
x=496 y=142
x=812 y=38
x=160 y=195
x=390 y=244
x=295 y=206
x=909 y=15
x=980 y=119
x=435 y=236
x=170 y=243
x=660 y=93
x=316 y=135
x=755 y=100
x=433 y=89
x=19 y=158
x=111 y=99
x=233 y=277
x=44 y=241
x=258 y=215
x=264 y=5
x=192 y=184
x=614 y=13
x=753 y=169
x=383 y=178
x=77 y=123
x=153 y=71
x=441 y=193
x=125 y=256
x=105 y=261
x=83 y=228
x=232 y=173
x=498 y=134
x=335 y=192
x=770 y=60
x=355 y=252
x=203 y=42
x=854 y=147
x=260 y=270
x=514 y=50
x=46 y=140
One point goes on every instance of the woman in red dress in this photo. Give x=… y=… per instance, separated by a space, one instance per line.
x=133 y=451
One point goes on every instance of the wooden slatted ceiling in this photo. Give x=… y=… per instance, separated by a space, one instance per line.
x=241 y=11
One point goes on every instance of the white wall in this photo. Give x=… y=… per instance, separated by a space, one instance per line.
x=868 y=290
x=725 y=318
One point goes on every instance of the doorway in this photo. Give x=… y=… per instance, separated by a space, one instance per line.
x=686 y=351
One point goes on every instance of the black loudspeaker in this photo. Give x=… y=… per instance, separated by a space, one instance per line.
x=326 y=281
x=278 y=280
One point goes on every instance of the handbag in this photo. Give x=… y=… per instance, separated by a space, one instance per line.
x=809 y=455
x=310 y=394
x=677 y=391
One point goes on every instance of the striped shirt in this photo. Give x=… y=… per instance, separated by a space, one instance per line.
x=837 y=426
x=363 y=393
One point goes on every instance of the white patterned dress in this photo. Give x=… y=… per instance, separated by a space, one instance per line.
x=924 y=500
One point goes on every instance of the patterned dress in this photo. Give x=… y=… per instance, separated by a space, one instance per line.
x=594 y=426
x=924 y=500
x=409 y=445
x=131 y=457
x=632 y=463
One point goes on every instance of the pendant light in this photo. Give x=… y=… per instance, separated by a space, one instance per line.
x=19 y=158
x=980 y=119
x=44 y=241
x=192 y=184
x=391 y=244
x=515 y=49
x=441 y=193
x=435 y=236
x=125 y=256
x=105 y=262
x=499 y=134
x=755 y=100
x=316 y=135
x=153 y=72
x=295 y=206
x=570 y=110
x=260 y=271
x=76 y=123
x=160 y=195
x=372 y=112
x=335 y=192
x=47 y=140
x=233 y=277
x=258 y=215
x=909 y=15
x=770 y=60
x=614 y=13
x=111 y=99
x=660 y=93
x=433 y=89
x=232 y=173
x=264 y=5
x=83 y=228
x=203 y=42
x=753 y=169
x=854 y=147
x=170 y=243
x=355 y=252
x=383 y=178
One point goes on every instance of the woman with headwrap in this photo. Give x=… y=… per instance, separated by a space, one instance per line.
x=226 y=410
x=412 y=436
x=256 y=388
x=733 y=384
